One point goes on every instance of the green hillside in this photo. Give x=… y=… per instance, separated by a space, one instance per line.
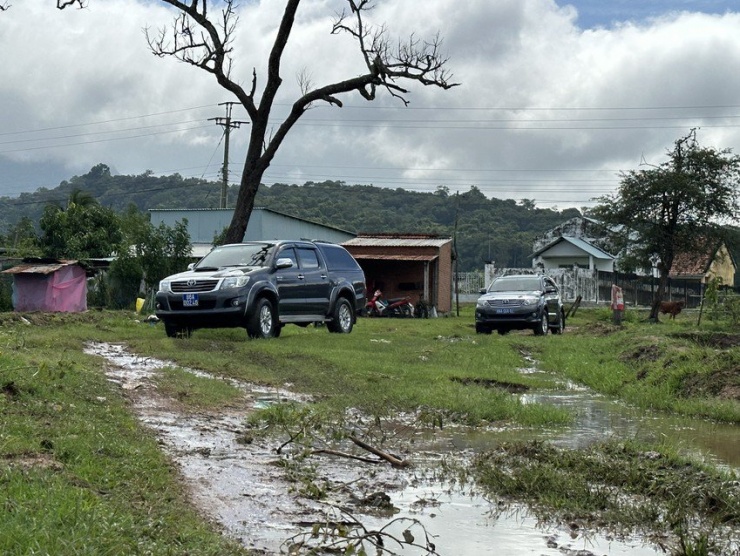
x=487 y=229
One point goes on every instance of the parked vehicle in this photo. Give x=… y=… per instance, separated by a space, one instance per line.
x=520 y=302
x=377 y=306
x=263 y=286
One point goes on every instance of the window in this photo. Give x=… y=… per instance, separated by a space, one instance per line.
x=308 y=257
x=338 y=258
x=288 y=253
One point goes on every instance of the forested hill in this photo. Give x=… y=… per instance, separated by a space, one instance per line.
x=487 y=229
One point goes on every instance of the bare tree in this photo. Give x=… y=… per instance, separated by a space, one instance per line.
x=205 y=40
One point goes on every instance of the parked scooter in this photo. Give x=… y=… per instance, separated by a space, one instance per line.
x=380 y=307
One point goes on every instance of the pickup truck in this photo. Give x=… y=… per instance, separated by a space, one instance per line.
x=262 y=286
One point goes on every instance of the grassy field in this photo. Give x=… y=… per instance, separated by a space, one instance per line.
x=79 y=475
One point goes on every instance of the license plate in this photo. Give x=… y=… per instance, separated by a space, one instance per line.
x=190 y=300
x=504 y=311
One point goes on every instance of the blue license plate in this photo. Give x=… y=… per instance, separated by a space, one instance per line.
x=504 y=311
x=190 y=300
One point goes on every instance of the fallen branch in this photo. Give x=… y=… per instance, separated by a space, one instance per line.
x=345 y=455
x=394 y=461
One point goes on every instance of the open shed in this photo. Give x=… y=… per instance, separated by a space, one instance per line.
x=49 y=285
x=415 y=265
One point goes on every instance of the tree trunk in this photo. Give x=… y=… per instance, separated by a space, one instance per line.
x=659 y=293
x=244 y=204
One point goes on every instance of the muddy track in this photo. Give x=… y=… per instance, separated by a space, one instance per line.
x=237 y=486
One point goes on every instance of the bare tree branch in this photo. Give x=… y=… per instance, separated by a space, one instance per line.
x=61 y=4
x=198 y=38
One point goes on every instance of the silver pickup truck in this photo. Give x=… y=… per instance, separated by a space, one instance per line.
x=262 y=286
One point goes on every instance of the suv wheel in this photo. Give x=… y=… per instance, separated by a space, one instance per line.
x=541 y=327
x=262 y=322
x=341 y=322
x=482 y=329
x=561 y=324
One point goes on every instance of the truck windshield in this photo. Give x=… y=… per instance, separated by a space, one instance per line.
x=248 y=254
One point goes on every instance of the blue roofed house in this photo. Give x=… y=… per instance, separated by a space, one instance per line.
x=264 y=224
x=578 y=242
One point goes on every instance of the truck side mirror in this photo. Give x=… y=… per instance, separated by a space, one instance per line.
x=284 y=263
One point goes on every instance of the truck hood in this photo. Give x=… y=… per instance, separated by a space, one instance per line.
x=217 y=273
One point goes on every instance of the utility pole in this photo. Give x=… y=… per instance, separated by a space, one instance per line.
x=228 y=124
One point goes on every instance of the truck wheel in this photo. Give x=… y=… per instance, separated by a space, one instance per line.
x=176 y=330
x=342 y=321
x=540 y=329
x=262 y=323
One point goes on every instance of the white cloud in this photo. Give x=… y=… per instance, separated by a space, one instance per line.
x=545 y=109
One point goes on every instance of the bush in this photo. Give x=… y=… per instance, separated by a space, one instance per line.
x=6 y=292
x=124 y=282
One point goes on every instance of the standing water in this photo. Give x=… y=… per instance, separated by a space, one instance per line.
x=239 y=487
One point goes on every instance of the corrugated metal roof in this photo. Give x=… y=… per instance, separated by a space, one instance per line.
x=38 y=267
x=398 y=257
x=227 y=212
x=399 y=241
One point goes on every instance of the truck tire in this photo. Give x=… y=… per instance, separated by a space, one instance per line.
x=263 y=321
x=342 y=318
x=177 y=330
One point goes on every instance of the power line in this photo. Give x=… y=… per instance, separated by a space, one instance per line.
x=101 y=122
x=102 y=140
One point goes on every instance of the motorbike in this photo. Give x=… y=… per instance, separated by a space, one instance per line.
x=378 y=306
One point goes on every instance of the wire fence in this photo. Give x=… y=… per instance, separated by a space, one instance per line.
x=595 y=286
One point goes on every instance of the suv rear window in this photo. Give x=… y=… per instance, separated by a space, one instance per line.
x=338 y=258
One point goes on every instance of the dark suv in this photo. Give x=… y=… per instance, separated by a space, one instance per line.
x=262 y=286
x=520 y=302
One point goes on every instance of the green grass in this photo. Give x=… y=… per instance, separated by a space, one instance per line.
x=671 y=366
x=79 y=475
x=618 y=486
x=195 y=391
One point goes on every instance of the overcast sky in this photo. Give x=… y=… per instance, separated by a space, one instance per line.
x=555 y=97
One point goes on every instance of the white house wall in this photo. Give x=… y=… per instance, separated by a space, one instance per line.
x=566 y=255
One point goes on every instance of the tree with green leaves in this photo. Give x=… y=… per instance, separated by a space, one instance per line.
x=83 y=229
x=679 y=206
x=21 y=239
x=160 y=250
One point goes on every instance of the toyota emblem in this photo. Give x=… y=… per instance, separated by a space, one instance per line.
x=191 y=282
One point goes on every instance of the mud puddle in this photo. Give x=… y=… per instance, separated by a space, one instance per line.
x=239 y=487
x=598 y=417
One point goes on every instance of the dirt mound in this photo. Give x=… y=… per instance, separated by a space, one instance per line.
x=716 y=340
x=49 y=319
x=723 y=384
x=642 y=354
